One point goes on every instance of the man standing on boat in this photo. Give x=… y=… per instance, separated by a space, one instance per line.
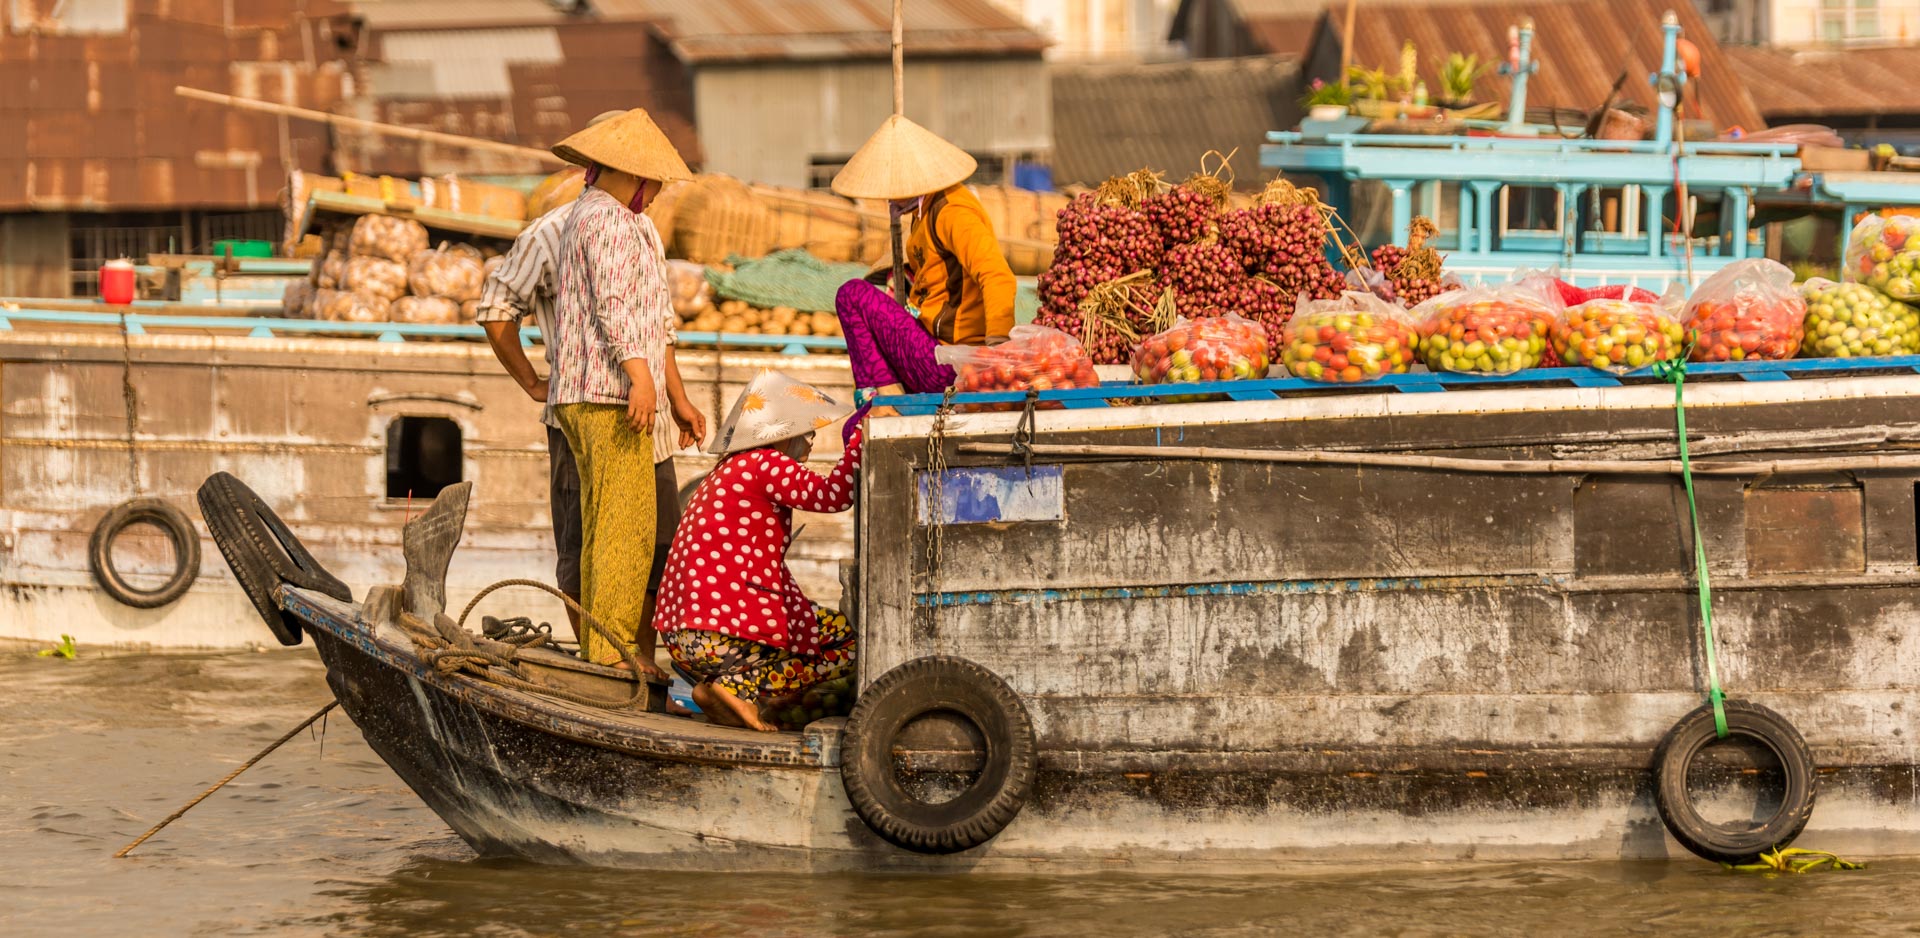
x=525 y=286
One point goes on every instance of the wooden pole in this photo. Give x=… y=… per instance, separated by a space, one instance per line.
x=1346 y=40
x=366 y=126
x=1456 y=464
x=262 y=754
x=899 y=278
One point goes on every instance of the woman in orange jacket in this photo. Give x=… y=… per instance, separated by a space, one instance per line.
x=959 y=288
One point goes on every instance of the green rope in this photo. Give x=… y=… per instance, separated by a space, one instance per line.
x=1675 y=371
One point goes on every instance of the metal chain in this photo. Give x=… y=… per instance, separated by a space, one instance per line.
x=929 y=614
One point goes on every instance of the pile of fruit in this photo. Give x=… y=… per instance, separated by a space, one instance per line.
x=1853 y=320
x=1617 y=335
x=829 y=698
x=1484 y=331
x=1884 y=253
x=1034 y=358
x=1358 y=337
x=1255 y=260
x=1746 y=311
x=1223 y=348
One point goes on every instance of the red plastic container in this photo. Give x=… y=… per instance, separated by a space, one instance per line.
x=116 y=282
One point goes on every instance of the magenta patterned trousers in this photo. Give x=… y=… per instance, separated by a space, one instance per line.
x=886 y=344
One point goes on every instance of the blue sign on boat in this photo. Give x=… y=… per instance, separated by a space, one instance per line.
x=996 y=493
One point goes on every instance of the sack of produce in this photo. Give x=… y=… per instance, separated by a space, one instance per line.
x=558 y=189
x=375 y=276
x=294 y=301
x=795 y=709
x=692 y=293
x=348 y=306
x=425 y=310
x=1034 y=358
x=1748 y=310
x=452 y=271
x=330 y=269
x=1853 y=320
x=1358 y=337
x=1618 y=336
x=1884 y=253
x=1217 y=348
x=469 y=311
x=1484 y=330
x=395 y=239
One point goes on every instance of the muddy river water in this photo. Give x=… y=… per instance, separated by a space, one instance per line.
x=322 y=839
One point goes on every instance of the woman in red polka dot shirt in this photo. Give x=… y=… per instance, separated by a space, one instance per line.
x=733 y=617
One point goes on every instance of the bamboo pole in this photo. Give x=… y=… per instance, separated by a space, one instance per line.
x=262 y=754
x=899 y=278
x=1457 y=464
x=1346 y=40
x=367 y=126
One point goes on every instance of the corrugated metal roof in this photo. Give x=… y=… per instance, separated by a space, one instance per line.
x=1110 y=119
x=718 y=31
x=1582 y=46
x=1790 y=84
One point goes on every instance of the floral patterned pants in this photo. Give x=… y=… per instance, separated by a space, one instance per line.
x=777 y=680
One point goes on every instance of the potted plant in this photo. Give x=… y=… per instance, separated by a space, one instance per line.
x=1373 y=88
x=1457 y=76
x=1327 y=101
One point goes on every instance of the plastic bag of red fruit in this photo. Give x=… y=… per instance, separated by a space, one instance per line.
x=1034 y=358
x=1749 y=310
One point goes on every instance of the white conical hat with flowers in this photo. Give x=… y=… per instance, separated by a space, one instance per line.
x=775 y=407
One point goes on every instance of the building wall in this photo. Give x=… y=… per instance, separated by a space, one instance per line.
x=769 y=123
x=1811 y=22
x=89 y=120
x=1083 y=30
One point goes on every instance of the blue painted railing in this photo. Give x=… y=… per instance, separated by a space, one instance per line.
x=1413 y=383
x=1537 y=144
x=138 y=322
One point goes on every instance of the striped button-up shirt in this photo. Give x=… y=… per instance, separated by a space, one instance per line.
x=525 y=285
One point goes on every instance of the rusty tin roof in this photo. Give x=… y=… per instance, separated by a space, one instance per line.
x=1789 y=84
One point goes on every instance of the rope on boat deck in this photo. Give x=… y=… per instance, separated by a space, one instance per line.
x=450 y=648
x=1675 y=371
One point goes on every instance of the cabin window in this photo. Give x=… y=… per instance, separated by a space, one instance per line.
x=1530 y=210
x=1440 y=201
x=423 y=456
x=1806 y=525
x=1614 y=210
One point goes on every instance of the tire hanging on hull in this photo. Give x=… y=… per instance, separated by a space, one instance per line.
x=938 y=684
x=1743 y=843
x=179 y=531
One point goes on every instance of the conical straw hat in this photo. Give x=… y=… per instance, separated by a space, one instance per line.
x=902 y=160
x=631 y=143
x=774 y=407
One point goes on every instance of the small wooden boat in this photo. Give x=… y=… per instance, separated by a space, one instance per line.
x=1434 y=617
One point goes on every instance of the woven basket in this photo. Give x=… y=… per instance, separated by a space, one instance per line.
x=717 y=217
x=827 y=226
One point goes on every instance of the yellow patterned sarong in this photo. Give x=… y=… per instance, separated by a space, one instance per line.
x=616 y=520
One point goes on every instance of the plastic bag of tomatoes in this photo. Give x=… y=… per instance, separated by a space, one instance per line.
x=1034 y=358
x=1618 y=336
x=1356 y=337
x=1215 y=348
x=1482 y=330
x=1746 y=311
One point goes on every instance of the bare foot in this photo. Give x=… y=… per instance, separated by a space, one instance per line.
x=724 y=709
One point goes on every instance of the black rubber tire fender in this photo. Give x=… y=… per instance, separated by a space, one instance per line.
x=1720 y=843
x=262 y=552
x=922 y=686
x=179 y=530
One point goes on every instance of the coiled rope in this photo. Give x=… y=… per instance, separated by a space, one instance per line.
x=450 y=648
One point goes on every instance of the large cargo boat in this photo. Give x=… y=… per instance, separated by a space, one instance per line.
x=1434 y=617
